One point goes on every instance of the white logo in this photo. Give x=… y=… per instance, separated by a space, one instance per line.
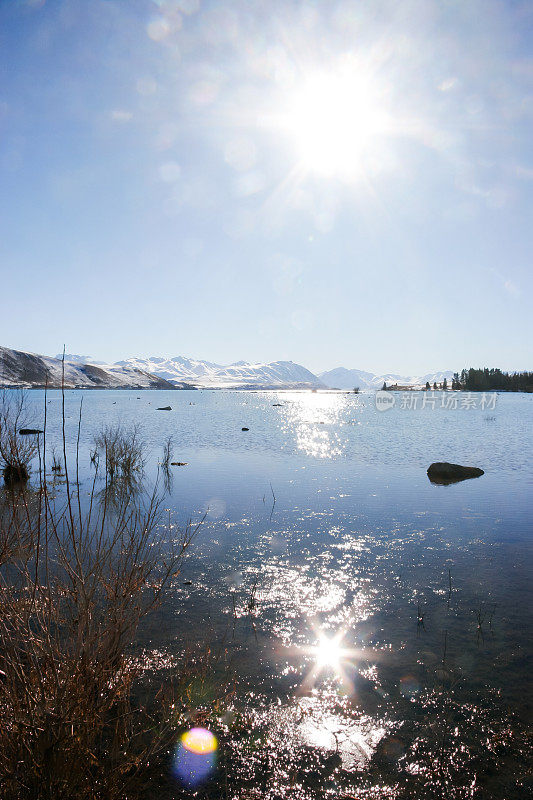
x=384 y=400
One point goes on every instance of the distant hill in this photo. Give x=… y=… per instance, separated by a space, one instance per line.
x=18 y=368
x=342 y=378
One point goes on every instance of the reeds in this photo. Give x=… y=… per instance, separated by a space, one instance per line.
x=167 y=453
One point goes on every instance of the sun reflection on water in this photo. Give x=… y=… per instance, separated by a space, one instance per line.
x=329 y=653
x=313 y=420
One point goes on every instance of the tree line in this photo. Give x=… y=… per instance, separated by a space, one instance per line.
x=483 y=380
x=480 y=380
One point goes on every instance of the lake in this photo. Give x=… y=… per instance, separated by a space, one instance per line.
x=362 y=610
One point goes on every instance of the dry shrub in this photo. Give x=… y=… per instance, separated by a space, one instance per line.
x=16 y=451
x=75 y=582
x=122 y=450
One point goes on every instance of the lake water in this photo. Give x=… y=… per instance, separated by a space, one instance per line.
x=364 y=611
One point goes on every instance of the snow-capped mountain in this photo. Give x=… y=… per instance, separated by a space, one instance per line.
x=342 y=378
x=18 y=368
x=72 y=358
x=240 y=375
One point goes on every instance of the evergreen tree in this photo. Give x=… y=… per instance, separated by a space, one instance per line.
x=445 y=385
x=428 y=387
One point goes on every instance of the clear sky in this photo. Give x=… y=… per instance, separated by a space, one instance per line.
x=345 y=182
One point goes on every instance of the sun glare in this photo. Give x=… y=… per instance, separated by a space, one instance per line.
x=329 y=653
x=334 y=119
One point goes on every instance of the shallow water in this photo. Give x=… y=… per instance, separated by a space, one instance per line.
x=359 y=605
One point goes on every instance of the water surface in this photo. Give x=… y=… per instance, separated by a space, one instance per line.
x=360 y=606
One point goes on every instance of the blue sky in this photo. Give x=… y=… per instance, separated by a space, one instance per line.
x=333 y=183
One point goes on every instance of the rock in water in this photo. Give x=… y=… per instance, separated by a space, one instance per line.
x=164 y=408
x=245 y=429
x=444 y=473
x=29 y=431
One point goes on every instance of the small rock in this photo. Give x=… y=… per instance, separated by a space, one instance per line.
x=164 y=408
x=444 y=473
x=29 y=431
x=245 y=429
x=277 y=405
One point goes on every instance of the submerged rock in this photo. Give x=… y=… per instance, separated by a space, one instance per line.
x=442 y=472
x=164 y=408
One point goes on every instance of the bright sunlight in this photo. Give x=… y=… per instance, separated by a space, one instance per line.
x=335 y=118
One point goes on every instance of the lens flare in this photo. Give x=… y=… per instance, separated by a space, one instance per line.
x=199 y=740
x=195 y=757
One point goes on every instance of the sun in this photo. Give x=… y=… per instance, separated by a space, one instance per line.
x=335 y=119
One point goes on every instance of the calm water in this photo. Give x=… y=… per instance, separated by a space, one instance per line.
x=358 y=604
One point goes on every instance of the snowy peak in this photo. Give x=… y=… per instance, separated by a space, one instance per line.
x=72 y=358
x=239 y=375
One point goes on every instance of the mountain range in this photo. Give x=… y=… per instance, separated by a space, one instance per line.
x=19 y=368
x=342 y=378
x=240 y=375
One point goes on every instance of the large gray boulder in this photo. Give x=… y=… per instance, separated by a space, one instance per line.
x=443 y=472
